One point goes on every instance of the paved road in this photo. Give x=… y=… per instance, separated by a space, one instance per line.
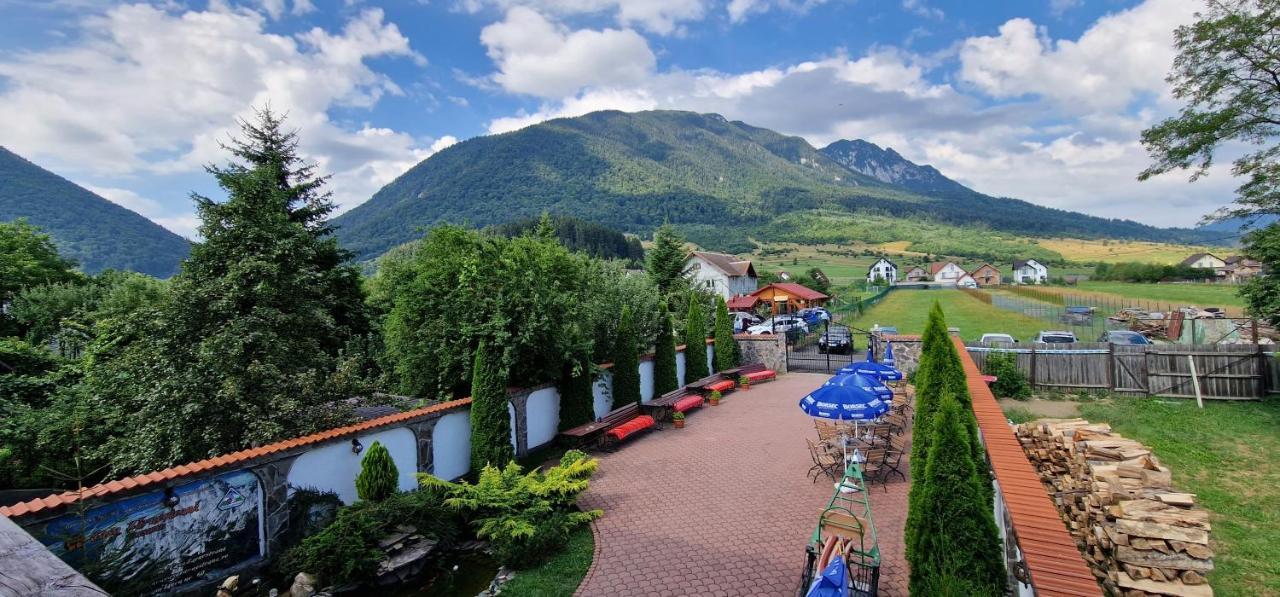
x=722 y=507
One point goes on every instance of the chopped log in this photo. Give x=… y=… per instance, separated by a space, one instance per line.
x=1161 y=531
x=1178 y=499
x=1155 y=559
x=1192 y=577
x=1176 y=589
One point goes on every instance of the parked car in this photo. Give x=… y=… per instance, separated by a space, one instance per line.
x=1056 y=337
x=998 y=339
x=780 y=324
x=1123 y=337
x=884 y=330
x=837 y=339
x=743 y=320
x=814 y=315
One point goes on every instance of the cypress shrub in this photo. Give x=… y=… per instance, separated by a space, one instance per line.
x=490 y=419
x=695 y=342
x=955 y=513
x=726 y=356
x=626 y=363
x=378 y=476
x=577 y=403
x=665 y=377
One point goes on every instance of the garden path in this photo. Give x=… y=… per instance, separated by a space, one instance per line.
x=722 y=507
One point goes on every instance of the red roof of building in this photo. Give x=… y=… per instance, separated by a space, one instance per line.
x=795 y=290
x=1053 y=561
x=60 y=500
x=937 y=266
x=742 y=303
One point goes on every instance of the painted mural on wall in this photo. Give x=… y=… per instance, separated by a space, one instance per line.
x=155 y=543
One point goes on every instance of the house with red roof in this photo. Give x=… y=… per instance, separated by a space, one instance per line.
x=789 y=297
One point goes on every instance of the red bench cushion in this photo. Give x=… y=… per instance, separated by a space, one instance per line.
x=760 y=375
x=622 y=431
x=721 y=386
x=688 y=403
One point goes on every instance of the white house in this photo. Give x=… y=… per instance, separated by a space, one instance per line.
x=726 y=275
x=883 y=269
x=945 y=271
x=1029 y=271
x=966 y=281
x=1206 y=261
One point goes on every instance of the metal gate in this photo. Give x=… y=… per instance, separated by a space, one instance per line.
x=821 y=347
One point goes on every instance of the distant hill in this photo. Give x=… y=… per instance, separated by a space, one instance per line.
x=95 y=232
x=1238 y=226
x=722 y=181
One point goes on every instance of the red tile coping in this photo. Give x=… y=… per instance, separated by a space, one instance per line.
x=64 y=499
x=1053 y=561
x=902 y=338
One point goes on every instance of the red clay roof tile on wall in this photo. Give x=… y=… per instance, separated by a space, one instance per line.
x=221 y=461
x=1053 y=561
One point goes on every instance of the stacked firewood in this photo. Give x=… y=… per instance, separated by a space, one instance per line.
x=1138 y=535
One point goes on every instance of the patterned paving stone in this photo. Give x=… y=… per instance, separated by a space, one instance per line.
x=722 y=507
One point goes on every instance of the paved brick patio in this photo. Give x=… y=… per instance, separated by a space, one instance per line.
x=722 y=507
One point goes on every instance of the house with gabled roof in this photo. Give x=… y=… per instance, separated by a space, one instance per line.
x=946 y=271
x=1029 y=271
x=916 y=274
x=721 y=273
x=883 y=270
x=986 y=275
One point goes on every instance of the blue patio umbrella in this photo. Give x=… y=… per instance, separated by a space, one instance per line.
x=833 y=582
x=866 y=382
x=871 y=367
x=843 y=403
x=888 y=355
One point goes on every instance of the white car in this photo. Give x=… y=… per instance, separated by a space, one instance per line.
x=998 y=339
x=1056 y=337
x=779 y=324
x=742 y=321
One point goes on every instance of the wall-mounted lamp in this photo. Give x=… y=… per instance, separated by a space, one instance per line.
x=171 y=498
x=356 y=446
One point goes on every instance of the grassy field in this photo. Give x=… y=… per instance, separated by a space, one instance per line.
x=908 y=309
x=1116 y=251
x=559 y=575
x=1228 y=454
x=1200 y=295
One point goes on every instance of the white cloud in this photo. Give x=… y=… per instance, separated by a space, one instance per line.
x=741 y=10
x=150 y=91
x=663 y=17
x=1059 y=7
x=538 y=57
x=1121 y=57
x=922 y=9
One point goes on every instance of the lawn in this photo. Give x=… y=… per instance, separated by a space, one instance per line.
x=1227 y=455
x=908 y=309
x=1200 y=295
x=1116 y=251
x=559 y=575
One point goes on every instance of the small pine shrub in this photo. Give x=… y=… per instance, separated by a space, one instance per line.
x=665 y=376
x=378 y=476
x=726 y=355
x=695 y=342
x=626 y=363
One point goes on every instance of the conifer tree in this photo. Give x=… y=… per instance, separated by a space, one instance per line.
x=665 y=376
x=626 y=363
x=695 y=341
x=726 y=356
x=490 y=417
x=378 y=478
x=665 y=261
x=954 y=512
x=577 y=402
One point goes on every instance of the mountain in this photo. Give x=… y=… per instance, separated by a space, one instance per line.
x=722 y=181
x=95 y=232
x=1233 y=229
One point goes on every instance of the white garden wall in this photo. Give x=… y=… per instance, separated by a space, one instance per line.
x=451 y=445
x=542 y=417
x=334 y=467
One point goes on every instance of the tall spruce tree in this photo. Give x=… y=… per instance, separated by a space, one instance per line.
x=955 y=512
x=577 y=402
x=626 y=362
x=490 y=417
x=695 y=341
x=246 y=348
x=665 y=376
x=726 y=356
x=378 y=478
x=665 y=261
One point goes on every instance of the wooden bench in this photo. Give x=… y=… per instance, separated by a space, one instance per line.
x=756 y=372
x=701 y=384
x=677 y=401
x=597 y=432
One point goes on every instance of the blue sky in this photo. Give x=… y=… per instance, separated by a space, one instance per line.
x=1037 y=99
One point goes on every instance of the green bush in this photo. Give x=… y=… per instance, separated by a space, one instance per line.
x=524 y=516
x=626 y=363
x=695 y=341
x=490 y=418
x=577 y=402
x=956 y=513
x=1010 y=381
x=726 y=356
x=378 y=476
x=665 y=376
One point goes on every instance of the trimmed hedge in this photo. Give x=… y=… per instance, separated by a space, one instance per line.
x=695 y=341
x=665 y=376
x=726 y=356
x=626 y=363
x=378 y=478
x=490 y=418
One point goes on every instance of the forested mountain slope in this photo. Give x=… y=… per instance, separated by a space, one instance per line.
x=723 y=181
x=97 y=233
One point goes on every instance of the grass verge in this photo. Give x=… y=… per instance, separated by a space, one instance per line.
x=558 y=576
x=908 y=309
x=1227 y=455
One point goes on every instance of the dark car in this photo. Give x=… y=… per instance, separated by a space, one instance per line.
x=837 y=339
x=1123 y=337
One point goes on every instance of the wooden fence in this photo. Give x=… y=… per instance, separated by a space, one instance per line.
x=1223 y=371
